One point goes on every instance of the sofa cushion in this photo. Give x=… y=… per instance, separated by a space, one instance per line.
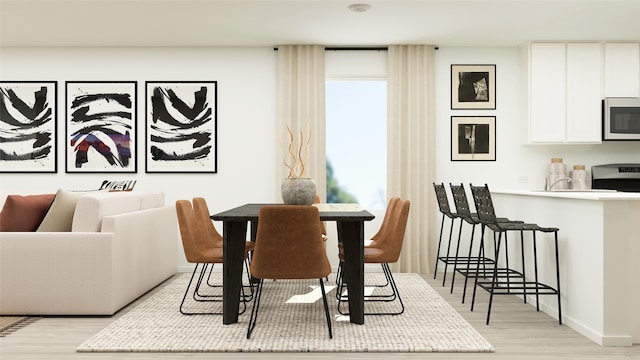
x=60 y=215
x=92 y=208
x=24 y=213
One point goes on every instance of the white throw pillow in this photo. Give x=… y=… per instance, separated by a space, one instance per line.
x=60 y=215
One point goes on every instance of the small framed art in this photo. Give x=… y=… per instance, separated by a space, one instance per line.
x=473 y=87
x=101 y=126
x=28 y=127
x=473 y=138
x=181 y=124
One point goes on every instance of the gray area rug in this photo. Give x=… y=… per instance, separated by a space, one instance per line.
x=292 y=319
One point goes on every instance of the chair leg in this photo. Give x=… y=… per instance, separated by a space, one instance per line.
x=435 y=271
x=494 y=281
x=380 y=298
x=446 y=262
x=255 y=308
x=455 y=263
x=555 y=233
x=326 y=308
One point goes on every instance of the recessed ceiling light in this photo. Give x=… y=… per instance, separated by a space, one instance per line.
x=359 y=7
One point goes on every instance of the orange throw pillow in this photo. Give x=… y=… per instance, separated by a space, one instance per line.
x=24 y=213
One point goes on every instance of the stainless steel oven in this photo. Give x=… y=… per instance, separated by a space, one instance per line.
x=621 y=119
x=620 y=177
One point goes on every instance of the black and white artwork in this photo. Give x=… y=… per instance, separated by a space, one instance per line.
x=28 y=126
x=473 y=138
x=473 y=87
x=181 y=123
x=101 y=119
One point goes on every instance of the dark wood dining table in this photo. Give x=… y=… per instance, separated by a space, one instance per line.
x=349 y=219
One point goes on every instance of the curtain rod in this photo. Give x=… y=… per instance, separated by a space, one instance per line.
x=375 y=48
x=329 y=48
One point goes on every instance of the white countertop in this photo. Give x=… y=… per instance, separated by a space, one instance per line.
x=581 y=195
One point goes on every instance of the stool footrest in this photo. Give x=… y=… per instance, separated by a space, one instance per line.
x=518 y=288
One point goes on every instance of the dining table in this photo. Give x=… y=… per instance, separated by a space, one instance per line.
x=349 y=219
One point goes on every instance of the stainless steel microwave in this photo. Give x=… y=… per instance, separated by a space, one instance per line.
x=621 y=118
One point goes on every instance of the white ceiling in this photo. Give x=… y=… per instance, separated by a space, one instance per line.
x=328 y=22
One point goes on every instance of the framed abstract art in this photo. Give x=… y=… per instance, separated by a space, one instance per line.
x=101 y=126
x=473 y=87
x=181 y=127
x=473 y=138
x=28 y=126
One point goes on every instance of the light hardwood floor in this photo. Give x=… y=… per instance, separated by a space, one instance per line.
x=516 y=331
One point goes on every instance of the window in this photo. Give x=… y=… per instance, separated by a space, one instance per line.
x=356 y=126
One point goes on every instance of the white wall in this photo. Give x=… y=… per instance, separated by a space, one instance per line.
x=517 y=166
x=246 y=117
x=246 y=122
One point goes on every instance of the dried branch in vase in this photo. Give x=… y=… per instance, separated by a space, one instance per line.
x=297 y=154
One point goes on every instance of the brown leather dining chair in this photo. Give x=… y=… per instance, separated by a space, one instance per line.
x=199 y=250
x=288 y=246
x=212 y=236
x=384 y=251
x=391 y=204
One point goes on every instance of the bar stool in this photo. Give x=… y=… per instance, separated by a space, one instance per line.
x=503 y=280
x=480 y=265
x=474 y=265
x=443 y=206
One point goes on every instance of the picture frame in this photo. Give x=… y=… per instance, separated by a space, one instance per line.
x=473 y=138
x=473 y=87
x=101 y=126
x=181 y=127
x=28 y=127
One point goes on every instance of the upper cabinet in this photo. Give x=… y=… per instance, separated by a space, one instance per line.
x=622 y=70
x=565 y=84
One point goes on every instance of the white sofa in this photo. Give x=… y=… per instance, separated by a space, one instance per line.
x=121 y=245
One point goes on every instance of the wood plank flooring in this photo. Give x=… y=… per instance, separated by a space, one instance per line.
x=516 y=331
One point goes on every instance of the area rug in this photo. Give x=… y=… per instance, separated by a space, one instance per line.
x=292 y=319
x=9 y=324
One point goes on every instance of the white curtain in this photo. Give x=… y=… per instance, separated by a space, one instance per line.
x=410 y=144
x=301 y=107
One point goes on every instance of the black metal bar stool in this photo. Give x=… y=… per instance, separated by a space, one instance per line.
x=479 y=265
x=474 y=265
x=504 y=280
x=443 y=205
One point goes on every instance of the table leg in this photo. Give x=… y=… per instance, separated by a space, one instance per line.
x=234 y=235
x=351 y=234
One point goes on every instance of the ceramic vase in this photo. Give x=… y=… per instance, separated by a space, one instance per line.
x=298 y=191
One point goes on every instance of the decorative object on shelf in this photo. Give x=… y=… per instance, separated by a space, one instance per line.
x=473 y=87
x=122 y=185
x=297 y=188
x=29 y=127
x=101 y=125
x=181 y=123
x=473 y=138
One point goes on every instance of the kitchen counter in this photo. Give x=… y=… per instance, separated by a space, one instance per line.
x=581 y=195
x=599 y=245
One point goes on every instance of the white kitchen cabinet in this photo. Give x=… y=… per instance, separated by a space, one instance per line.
x=547 y=91
x=584 y=92
x=622 y=69
x=563 y=92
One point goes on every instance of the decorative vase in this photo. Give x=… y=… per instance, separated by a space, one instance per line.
x=298 y=191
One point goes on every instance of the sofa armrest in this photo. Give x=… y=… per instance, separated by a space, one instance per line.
x=145 y=250
x=42 y=272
